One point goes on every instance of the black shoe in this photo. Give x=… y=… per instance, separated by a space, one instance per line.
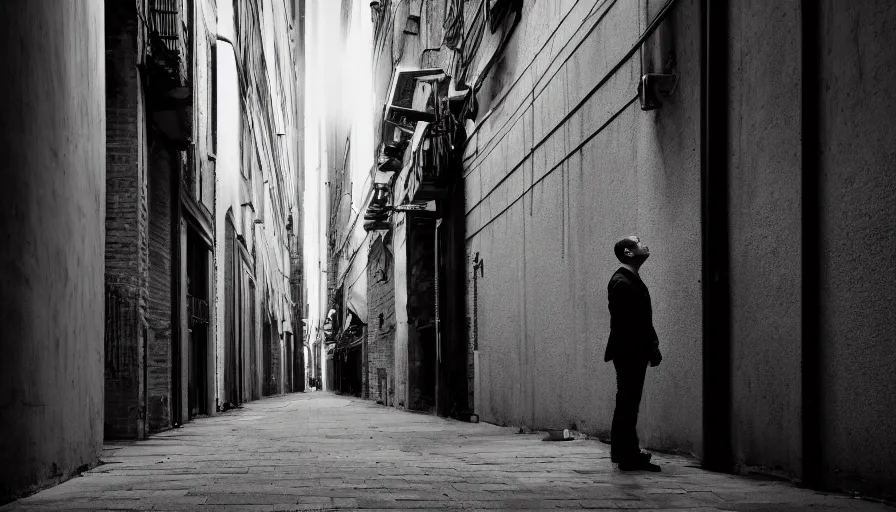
x=639 y=465
x=640 y=456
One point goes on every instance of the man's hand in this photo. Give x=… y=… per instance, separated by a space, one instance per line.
x=656 y=357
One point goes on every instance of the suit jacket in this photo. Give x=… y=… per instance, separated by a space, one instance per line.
x=632 y=335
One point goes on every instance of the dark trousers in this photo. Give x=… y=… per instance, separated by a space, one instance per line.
x=629 y=385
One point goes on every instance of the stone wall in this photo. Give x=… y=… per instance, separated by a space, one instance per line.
x=765 y=217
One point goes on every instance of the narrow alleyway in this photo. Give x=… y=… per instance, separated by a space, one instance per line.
x=320 y=452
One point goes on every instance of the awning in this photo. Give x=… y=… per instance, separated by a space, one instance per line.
x=419 y=132
x=353 y=281
x=355 y=290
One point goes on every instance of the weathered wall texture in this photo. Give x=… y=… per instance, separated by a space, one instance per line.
x=125 y=140
x=126 y=223
x=548 y=196
x=381 y=323
x=858 y=290
x=765 y=232
x=51 y=286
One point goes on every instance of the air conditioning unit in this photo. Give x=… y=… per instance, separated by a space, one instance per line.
x=409 y=97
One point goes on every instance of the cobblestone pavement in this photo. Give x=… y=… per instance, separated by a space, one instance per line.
x=319 y=451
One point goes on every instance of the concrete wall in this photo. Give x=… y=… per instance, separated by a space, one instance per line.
x=546 y=200
x=857 y=241
x=765 y=171
x=51 y=290
x=125 y=155
x=858 y=266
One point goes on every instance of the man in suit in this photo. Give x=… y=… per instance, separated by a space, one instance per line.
x=633 y=344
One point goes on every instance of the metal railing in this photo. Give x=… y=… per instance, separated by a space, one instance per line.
x=197 y=311
x=165 y=21
x=121 y=325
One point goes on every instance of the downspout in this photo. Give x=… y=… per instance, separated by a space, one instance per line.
x=717 y=449
x=812 y=446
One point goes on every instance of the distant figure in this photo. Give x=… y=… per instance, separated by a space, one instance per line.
x=633 y=345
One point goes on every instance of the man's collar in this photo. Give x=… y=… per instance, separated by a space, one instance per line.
x=629 y=272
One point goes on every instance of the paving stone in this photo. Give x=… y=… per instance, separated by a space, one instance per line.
x=243 y=508
x=318 y=451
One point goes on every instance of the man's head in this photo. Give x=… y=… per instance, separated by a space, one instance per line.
x=631 y=251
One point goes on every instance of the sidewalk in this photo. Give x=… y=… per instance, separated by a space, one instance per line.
x=318 y=451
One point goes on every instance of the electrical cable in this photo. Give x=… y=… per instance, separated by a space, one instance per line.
x=504 y=96
x=453 y=24
x=468 y=54
x=498 y=51
x=660 y=17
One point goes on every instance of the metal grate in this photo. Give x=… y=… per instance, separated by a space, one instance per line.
x=121 y=323
x=197 y=311
x=164 y=22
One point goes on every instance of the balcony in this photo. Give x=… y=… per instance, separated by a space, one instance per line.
x=169 y=96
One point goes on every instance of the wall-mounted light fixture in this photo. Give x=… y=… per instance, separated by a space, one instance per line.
x=653 y=86
x=478 y=266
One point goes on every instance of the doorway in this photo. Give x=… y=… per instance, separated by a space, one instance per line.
x=197 y=267
x=422 y=350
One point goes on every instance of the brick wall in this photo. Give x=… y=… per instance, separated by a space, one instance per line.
x=158 y=310
x=380 y=324
x=272 y=357
x=276 y=359
x=126 y=225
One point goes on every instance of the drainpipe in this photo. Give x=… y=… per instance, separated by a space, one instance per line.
x=813 y=456
x=717 y=450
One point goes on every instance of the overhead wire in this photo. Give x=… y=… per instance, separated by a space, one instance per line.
x=550 y=65
x=453 y=24
x=660 y=17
